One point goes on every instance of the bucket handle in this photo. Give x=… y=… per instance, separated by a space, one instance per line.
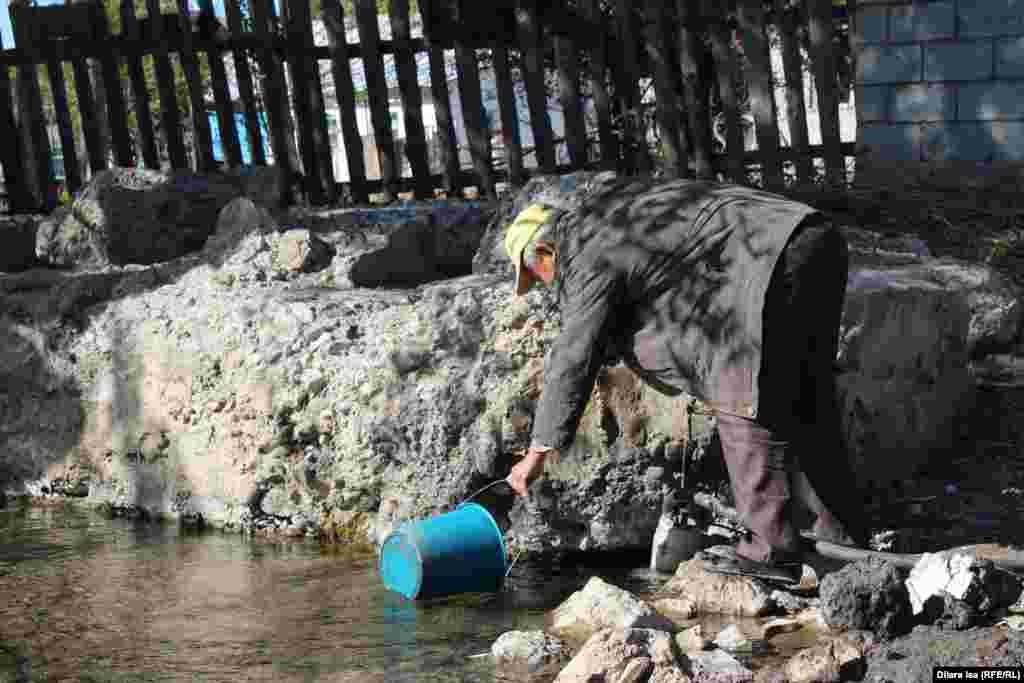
x=477 y=493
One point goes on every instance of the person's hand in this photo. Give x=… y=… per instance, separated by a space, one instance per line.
x=527 y=470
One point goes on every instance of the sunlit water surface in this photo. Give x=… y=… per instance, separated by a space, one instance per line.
x=85 y=598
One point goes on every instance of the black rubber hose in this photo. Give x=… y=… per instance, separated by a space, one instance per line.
x=843 y=553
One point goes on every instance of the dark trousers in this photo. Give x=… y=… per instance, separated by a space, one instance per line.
x=797 y=388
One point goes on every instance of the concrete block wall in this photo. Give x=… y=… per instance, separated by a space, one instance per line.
x=941 y=80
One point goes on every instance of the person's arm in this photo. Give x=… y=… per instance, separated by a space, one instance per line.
x=588 y=305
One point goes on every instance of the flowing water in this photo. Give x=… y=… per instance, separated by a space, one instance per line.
x=84 y=598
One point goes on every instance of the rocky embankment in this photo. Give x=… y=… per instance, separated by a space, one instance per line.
x=332 y=374
x=867 y=621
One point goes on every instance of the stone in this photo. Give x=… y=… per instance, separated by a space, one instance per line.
x=774 y=627
x=19 y=240
x=432 y=247
x=995 y=302
x=676 y=609
x=732 y=638
x=838 y=659
x=717 y=666
x=936 y=573
x=625 y=656
x=529 y=652
x=903 y=379
x=300 y=251
x=717 y=594
x=693 y=639
x=136 y=216
x=673 y=544
x=240 y=218
x=599 y=605
x=869 y=595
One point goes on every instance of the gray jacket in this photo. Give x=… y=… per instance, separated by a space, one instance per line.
x=669 y=276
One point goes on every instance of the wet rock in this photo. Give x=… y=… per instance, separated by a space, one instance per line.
x=130 y=215
x=676 y=609
x=716 y=666
x=300 y=251
x=625 y=655
x=528 y=652
x=838 y=659
x=733 y=639
x=869 y=594
x=774 y=627
x=601 y=605
x=693 y=639
x=716 y=594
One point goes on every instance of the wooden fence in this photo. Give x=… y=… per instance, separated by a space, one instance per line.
x=704 y=58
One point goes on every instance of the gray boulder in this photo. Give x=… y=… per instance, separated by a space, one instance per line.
x=18 y=234
x=529 y=652
x=136 y=216
x=867 y=595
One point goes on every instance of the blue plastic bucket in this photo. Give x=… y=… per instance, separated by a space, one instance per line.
x=462 y=551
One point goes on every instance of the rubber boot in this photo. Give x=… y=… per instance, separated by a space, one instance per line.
x=759 y=470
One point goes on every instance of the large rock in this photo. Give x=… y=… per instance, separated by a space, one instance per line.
x=625 y=656
x=837 y=659
x=903 y=379
x=717 y=594
x=599 y=605
x=528 y=652
x=867 y=595
x=19 y=239
x=716 y=666
x=431 y=247
x=128 y=215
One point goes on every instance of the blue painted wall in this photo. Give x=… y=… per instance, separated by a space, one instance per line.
x=941 y=79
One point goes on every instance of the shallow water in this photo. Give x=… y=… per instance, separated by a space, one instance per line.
x=85 y=598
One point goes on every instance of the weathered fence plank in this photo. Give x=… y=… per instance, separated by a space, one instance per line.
x=790 y=23
x=412 y=100
x=202 y=137
x=533 y=75
x=628 y=75
x=602 y=102
x=443 y=112
x=725 y=69
x=35 y=150
x=275 y=98
x=297 y=20
x=87 y=112
x=472 y=114
x=229 y=143
x=509 y=116
x=819 y=20
x=58 y=87
x=667 y=109
x=695 y=90
x=751 y=18
x=245 y=88
x=10 y=156
x=569 y=95
x=140 y=93
x=344 y=92
x=117 y=115
x=377 y=90
x=170 y=116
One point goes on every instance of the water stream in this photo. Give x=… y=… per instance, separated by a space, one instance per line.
x=84 y=598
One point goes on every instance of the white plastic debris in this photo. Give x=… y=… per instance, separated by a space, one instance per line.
x=936 y=573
